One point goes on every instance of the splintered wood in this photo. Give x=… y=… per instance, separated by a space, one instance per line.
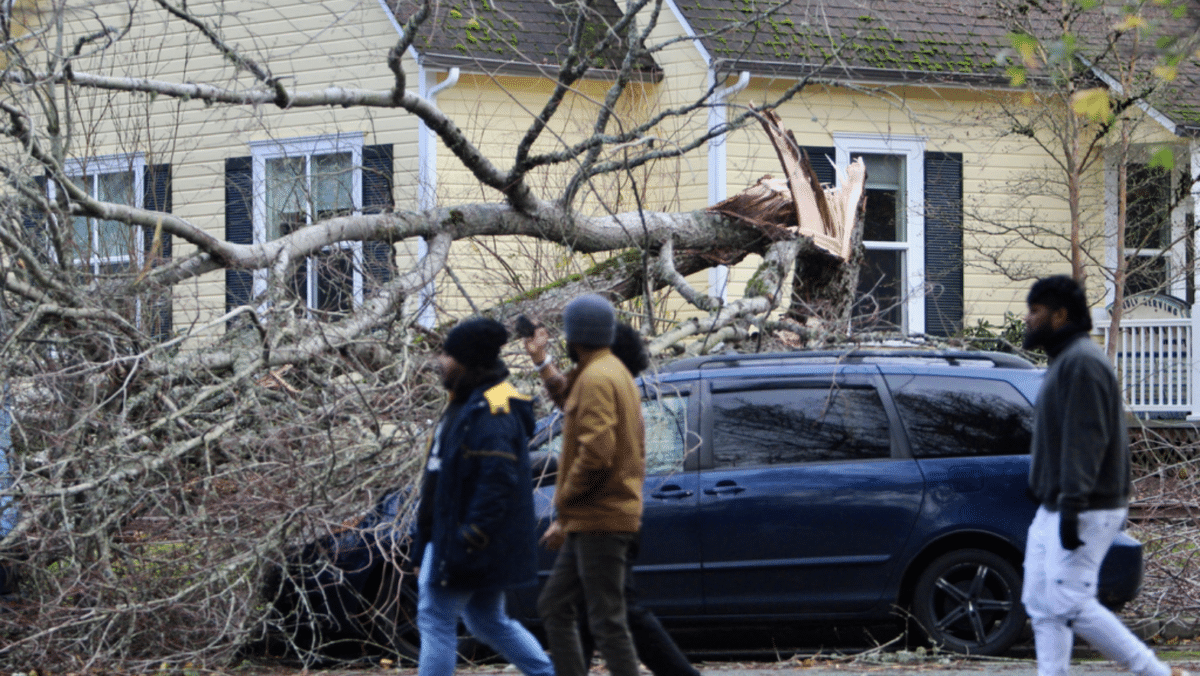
x=799 y=203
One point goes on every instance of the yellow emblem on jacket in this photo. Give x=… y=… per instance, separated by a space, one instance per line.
x=498 y=397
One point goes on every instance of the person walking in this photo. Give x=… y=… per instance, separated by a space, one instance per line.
x=598 y=494
x=475 y=521
x=1080 y=476
x=653 y=645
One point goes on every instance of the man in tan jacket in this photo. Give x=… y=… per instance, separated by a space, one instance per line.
x=598 y=495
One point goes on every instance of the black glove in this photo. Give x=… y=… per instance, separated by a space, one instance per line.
x=1068 y=530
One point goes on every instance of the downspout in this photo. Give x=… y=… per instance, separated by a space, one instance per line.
x=1193 y=383
x=427 y=174
x=718 y=277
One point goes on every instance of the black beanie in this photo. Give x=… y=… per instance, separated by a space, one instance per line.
x=476 y=342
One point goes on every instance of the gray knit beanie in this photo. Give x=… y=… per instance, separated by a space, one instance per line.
x=590 y=321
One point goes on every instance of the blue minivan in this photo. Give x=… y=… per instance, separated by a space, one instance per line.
x=837 y=487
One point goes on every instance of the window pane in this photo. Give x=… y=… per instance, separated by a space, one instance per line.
x=666 y=422
x=287 y=208
x=773 y=427
x=1148 y=213
x=115 y=238
x=333 y=184
x=947 y=417
x=335 y=280
x=880 y=291
x=885 y=201
x=81 y=235
x=1146 y=274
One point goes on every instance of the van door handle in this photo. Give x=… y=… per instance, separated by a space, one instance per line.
x=725 y=487
x=671 y=492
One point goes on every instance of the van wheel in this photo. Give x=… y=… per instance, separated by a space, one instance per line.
x=969 y=601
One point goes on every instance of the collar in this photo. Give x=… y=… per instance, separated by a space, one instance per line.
x=589 y=355
x=1062 y=338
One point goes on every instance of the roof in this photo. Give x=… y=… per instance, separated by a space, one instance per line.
x=894 y=40
x=919 y=41
x=526 y=37
x=905 y=41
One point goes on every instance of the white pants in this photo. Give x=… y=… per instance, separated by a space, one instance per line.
x=1060 y=596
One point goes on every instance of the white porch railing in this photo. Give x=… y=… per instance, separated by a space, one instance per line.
x=1155 y=365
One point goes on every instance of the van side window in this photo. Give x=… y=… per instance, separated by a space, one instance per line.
x=948 y=417
x=666 y=427
x=795 y=425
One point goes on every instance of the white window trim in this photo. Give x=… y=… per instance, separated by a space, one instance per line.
x=1176 y=255
x=913 y=149
x=110 y=164
x=261 y=151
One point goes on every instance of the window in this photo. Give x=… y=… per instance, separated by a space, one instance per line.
x=1158 y=209
x=106 y=247
x=892 y=280
x=785 y=426
x=881 y=281
x=106 y=252
x=949 y=417
x=666 y=430
x=301 y=182
x=285 y=185
x=1147 y=229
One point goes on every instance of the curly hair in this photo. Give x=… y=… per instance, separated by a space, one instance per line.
x=1061 y=291
x=629 y=347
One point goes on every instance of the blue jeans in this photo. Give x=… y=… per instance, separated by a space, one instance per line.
x=438 y=611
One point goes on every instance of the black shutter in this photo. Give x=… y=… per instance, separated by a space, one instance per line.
x=943 y=243
x=239 y=226
x=34 y=221
x=378 y=257
x=822 y=159
x=156 y=192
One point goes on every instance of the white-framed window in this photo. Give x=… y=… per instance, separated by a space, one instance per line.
x=298 y=182
x=99 y=246
x=1157 y=211
x=892 y=280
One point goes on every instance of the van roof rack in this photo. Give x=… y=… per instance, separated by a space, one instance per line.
x=976 y=358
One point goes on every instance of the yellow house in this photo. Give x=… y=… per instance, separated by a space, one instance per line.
x=954 y=233
x=912 y=88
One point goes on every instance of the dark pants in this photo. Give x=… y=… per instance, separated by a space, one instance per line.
x=655 y=647
x=590 y=567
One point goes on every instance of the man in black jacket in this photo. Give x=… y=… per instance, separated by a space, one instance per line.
x=1080 y=477
x=475 y=522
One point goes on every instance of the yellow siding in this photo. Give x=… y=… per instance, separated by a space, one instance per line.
x=311 y=46
x=999 y=179
x=345 y=43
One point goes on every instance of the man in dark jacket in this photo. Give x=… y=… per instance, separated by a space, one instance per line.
x=475 y=535
x=1080 y=477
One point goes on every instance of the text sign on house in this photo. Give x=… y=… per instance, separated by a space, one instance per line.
x=1154 y=306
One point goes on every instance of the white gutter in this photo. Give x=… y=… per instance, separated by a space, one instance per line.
x=428 y=88
x=718 y=169
x=427 y=144
x=687 y=29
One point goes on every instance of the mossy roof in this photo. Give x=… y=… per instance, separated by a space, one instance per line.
x=928 y=41
x=517 y=37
